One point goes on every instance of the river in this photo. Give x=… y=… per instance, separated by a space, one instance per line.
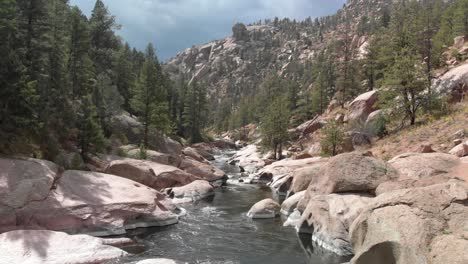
x=218 y=231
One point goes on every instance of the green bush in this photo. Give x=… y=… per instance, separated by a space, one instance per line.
x=333 y=139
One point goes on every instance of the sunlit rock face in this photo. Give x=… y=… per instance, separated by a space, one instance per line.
x=36 y=194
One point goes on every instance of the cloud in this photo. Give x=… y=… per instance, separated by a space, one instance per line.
x=174 y=25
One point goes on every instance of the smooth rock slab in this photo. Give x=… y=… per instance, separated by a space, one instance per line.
x=194 y=191
x=264 y=209
x=49 y=247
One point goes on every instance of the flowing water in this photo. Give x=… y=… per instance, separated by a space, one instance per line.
x=218 y=231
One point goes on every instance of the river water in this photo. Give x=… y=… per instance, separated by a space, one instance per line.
x=218 y=231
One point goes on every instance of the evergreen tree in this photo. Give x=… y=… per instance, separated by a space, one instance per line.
x=274 y=125
x=332 y=139
x=149 y=98
x=18 y=94
x=125 y=75
x=90 y=137
x=194 y=115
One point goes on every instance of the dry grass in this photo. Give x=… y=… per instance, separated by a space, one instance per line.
x=437 y=133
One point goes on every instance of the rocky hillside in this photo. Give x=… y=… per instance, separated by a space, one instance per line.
x=235 y=66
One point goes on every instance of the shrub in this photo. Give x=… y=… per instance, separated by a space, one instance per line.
x=332 y=139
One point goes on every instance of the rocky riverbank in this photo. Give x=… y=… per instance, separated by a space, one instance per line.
x=42 y=204
x=411 y=209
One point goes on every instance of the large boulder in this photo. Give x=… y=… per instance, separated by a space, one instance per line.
x=329 y=217
x=23 y=181
x=194 y=154
x=288 y=166
x=267 y=208
x=155 y=175
x=461 y=150
x=35 y=195
x=288 y=206
x=133 y=151
x=362 y=106
x=194 y=191
x=127 y=125
x=352 y=172
x=418 y=225
x=303 y=176
x=310 y=126
x=422 y=165
x=49 y=247
x=453 y=83
x=202 y=170
x=424 y=169
x=249 y=158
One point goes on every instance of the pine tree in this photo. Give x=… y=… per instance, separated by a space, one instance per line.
x=125 y=76
x=274 y=125
x=195 y=111
x=90 y=137
x=149 y=98
x=18 y=94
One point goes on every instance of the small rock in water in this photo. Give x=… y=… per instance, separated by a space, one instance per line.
x=264 y=209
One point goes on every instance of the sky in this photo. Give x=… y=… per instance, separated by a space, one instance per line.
x=174 y=25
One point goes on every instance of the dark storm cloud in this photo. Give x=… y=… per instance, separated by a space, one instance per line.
x=174 y=25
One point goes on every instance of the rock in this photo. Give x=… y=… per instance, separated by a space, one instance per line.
x=224 y=144
x=152 y=155
x=37 y=196
x=449 y=249
x=299 y=156
x=457 y=142
x=151 y=174
x=23 y=181
x=460 y=150
x=193 y=153
x=281 y=184
x=98 y=204
x=427 y=148
x=329 y=217
x=422 y=165
x=127 y=125
x=288 y=206
x=248 y=158
x=310 y=126
x=303 y=176
x=287 y=166
x=460 y=134
x=48 y=247
x=362 y=106
x=421 y=170
x=453 y=83
x=204 y=150
x=410 y=225
x=352 y=172
x=458 y=42
x=267 y=208
x=194 y=191
x=202 y=170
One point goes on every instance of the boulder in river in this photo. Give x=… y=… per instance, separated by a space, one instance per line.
x=49 y=247
x=288 y=206
x=329 y=217
x=194 y=191
x=267 y=208
x=151 y=174
x=158 y=261
x=204 y=171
